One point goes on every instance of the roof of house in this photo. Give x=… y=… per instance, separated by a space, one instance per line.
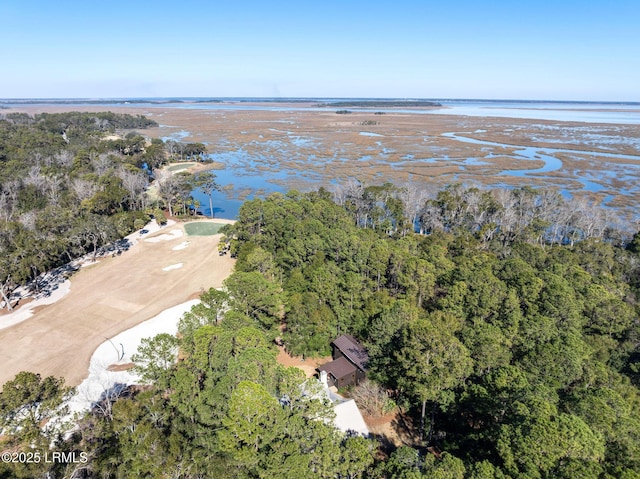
x=352 y=350
x=339 y=368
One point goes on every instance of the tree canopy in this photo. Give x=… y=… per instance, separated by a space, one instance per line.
x=505 y=325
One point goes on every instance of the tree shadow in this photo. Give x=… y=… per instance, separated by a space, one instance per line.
x=400 y=431
x=103 y=406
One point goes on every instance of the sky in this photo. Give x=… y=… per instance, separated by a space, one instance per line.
x=512 y=49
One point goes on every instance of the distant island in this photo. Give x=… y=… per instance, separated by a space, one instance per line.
x=102 y=101
x=381 y=103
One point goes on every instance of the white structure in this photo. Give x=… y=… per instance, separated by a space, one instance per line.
x=348 y=416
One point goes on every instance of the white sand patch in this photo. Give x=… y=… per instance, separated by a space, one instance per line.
x=348 y=418
x=118 y=350
x=222 y=220
x=182 y=245
x=172 y=235
x=25 y=312
x=153 y=227
x=172 y=267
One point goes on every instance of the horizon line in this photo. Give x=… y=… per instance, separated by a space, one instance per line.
x=202 y=99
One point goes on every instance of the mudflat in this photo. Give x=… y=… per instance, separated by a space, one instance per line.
x=160 y=271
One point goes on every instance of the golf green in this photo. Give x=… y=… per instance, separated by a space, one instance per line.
x=202 y=228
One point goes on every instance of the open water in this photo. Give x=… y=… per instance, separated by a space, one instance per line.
x=590 y=112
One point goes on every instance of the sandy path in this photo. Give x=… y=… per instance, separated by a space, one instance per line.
x=108 y=298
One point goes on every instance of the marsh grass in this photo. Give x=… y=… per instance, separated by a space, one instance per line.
x=316 y=148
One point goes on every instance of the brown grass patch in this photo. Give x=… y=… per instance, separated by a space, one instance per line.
x=120 y=367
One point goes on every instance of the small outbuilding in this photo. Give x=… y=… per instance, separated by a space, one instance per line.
x=349 y=365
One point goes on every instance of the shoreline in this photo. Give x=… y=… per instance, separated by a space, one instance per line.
x=312 y=106
x=189 y=167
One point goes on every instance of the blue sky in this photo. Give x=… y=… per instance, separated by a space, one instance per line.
x=555 y=50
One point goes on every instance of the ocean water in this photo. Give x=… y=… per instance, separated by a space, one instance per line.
x=617 y=113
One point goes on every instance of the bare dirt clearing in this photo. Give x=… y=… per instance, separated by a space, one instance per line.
x=308 y=365
x=110 y=297
x=393 y=430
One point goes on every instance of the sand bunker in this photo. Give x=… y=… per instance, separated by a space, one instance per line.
x=118 y=350
x=172 y=267
x=182 y=245
x=26 y=311
x=173 y=234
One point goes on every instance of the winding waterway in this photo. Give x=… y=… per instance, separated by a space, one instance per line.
x=248 y=181
x=551 y=162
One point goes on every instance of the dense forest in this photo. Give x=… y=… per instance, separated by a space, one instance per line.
x=518 y=355
x=504 y=322
x=70 y=185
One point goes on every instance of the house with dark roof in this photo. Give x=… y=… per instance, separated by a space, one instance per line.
x=349 y=365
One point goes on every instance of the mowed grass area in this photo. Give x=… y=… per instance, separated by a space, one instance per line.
x=202 y=228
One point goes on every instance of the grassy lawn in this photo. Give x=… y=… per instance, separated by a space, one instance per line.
x=202 y=228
